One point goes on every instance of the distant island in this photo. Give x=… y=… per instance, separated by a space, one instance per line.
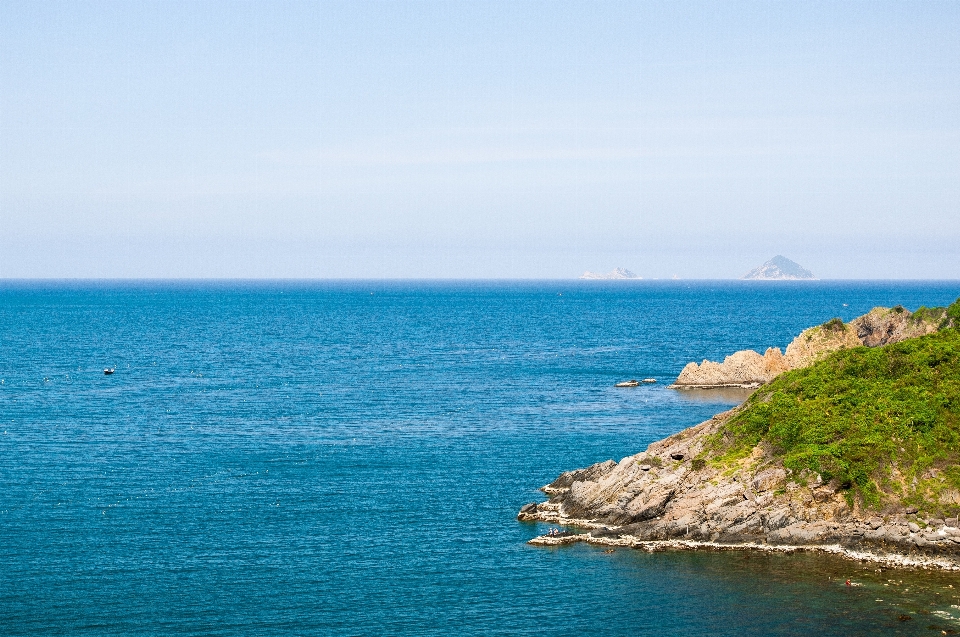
x=619 y=273
x=853 y=448
x=779 y=268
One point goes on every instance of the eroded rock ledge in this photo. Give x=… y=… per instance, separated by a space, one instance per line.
x=749 y=369
x=662 y=498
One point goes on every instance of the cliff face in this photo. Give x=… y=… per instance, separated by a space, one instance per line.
x=747 y=368
x=881 y=325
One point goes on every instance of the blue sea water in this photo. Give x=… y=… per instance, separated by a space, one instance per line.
x=348 y=458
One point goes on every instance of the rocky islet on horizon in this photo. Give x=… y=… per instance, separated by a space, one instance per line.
x=674 y=495
x=779 y=268
x=614 y=275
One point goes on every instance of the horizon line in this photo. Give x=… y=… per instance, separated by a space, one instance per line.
x=453 y=279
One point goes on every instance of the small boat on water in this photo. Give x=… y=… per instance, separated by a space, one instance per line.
x=649 y=380
x=109 y=370
x=628 y=383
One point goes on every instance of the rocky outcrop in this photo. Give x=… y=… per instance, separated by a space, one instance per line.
x=817 y=342
x=881 y=325
x=666 y=494
x=747 y=368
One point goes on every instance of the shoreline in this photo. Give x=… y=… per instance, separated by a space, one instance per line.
x=658 y=500
x=889 y=560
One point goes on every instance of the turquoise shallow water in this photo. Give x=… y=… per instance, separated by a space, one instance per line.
x=348 y=459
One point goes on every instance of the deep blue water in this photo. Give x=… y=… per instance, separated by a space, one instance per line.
x=348 y=459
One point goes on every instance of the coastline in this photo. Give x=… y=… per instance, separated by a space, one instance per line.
x=889 y=560
x=661 y=500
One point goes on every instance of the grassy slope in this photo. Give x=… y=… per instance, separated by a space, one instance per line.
x=883 y=422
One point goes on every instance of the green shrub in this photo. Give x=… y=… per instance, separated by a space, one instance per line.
x=953 y=313
x=834 y=325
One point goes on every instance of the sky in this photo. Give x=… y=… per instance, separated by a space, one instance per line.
x=478 y=139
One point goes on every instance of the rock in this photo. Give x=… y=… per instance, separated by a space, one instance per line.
x=881 y=325
x=529 y=508
x=676 y=456
x=592 y=472
x=644 y=467
x=746 y=368
x=914 y=527
x=910 y=510
x=816 y=342
x=874 y=523
x=769 y=479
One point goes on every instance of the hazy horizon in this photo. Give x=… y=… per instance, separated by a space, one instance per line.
x=483 y=141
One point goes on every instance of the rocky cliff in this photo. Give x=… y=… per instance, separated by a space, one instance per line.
x=856 y=452
x=747 y=368
x=669 y=496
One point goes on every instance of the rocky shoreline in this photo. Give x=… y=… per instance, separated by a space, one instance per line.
x=666 y=499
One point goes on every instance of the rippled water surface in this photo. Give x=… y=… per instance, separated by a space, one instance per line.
x=349 y=458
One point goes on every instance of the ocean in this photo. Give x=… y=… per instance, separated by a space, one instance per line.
x=348 y=458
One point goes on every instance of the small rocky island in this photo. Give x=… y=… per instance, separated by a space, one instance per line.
x=617 y=274
x=854 y=451
x=779 y=268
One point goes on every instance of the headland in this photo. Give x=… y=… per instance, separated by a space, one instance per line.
x=855 y=450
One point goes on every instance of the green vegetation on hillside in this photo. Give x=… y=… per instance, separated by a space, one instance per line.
x=882 y=423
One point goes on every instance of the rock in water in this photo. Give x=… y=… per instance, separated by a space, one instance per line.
x=779 y=268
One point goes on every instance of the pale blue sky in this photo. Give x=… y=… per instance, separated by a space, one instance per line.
x=478 y=139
